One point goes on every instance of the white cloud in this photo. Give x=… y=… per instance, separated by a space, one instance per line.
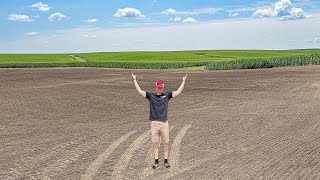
x=189 y=20
x=296 y=13
x=41 y=7
x=179 y=19
x=92 y=20
x=56 y=17
x=19 y=17
x=128 y=12
x=176 y=19
x=264 y=13
x=282 y=9
x=169 y=11
x=32 y=33
x=233 y=14
x=193 y=12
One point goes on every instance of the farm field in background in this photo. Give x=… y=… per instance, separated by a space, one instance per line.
x=191 y=56
x=204 y=59
x=35 y=58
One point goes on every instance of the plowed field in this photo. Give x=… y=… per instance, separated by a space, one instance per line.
x=90 y=123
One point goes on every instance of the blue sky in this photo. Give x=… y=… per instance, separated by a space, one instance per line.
x=56 y=26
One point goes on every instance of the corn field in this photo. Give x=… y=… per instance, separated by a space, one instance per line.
x=313 y=59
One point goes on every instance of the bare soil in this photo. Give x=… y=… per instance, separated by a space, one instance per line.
x=90 y=123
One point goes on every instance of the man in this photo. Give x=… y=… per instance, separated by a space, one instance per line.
x=158 y=116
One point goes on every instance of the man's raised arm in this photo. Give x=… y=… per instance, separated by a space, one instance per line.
x=178 y=92
x=143 y=93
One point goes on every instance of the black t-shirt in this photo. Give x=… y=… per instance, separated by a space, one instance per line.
x=158 y=105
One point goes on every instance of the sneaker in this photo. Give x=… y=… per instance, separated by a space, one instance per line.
x=166 y=165
x=155 y=166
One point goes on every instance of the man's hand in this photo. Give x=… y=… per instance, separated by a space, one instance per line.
x=184 y=77
x=134 y=76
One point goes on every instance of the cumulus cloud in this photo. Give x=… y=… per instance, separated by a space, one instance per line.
x=296 y=13
x=264 y=13
x=169 y=11
x=176 y=19
x=32 y=33
x=19 y=17
x=41 y=7
x=92 y=20
x=282 y=9
x=128 y=12
x=56 y=17
x=189 y=20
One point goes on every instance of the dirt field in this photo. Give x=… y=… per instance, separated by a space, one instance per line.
x=89 y=123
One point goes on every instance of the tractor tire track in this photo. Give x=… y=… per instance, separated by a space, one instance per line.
x=94 y=166
x=125 y=158
x=175 y=152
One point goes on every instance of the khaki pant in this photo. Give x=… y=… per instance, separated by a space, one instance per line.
x=160 y=129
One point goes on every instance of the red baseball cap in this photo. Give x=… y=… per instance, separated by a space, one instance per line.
x=160 y=84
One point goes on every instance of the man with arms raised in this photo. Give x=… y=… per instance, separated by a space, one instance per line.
x=158 y=116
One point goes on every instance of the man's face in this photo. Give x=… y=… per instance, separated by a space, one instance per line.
x=159 y=90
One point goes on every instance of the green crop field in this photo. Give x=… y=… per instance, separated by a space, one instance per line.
x=190 y=56
x=190 y=60
x=35 y=58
